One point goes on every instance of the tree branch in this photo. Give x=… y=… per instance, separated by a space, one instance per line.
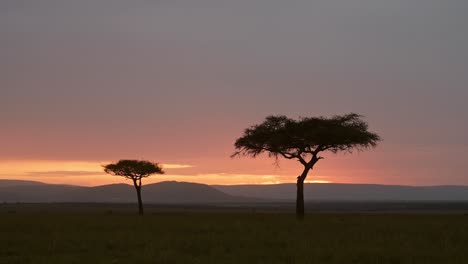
x=302 y=160
x=287 y=155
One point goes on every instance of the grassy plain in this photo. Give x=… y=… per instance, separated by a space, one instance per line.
x=195 y=237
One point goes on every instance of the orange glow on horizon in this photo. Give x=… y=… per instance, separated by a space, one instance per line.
x=317 y=181
x=90 y=173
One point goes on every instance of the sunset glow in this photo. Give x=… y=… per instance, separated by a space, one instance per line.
x=317 y=181
x=90 y=173
x=83 y=84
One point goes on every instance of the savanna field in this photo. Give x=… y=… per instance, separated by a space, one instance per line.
x=195 y=237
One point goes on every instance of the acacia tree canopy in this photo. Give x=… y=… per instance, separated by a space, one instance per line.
x=133 y=169
x=305 y=138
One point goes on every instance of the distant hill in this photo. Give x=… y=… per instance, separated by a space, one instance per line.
x=184 y=192
x=350 y=192
x=41 y=193
x=7 y=183
x=164 y=192
x=193 y=193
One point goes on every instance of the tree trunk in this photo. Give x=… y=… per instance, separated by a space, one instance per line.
x=300 y=199
x=137 y=184
x=300 y=212
x=140 y=202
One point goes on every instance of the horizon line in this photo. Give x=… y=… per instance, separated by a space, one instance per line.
x=242 y=184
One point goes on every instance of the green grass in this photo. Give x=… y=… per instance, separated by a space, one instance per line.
x=232 y=238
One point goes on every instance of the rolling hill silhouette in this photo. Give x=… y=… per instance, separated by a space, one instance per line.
x=163 y=192
x=12 y=191
x=6 y=183
x=350 y=192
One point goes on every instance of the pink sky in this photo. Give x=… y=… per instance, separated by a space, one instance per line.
x=88 y=82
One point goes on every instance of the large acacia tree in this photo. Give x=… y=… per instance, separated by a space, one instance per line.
x=134 y=170
x=304 y=140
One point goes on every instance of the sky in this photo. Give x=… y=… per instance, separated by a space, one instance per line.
x=85 y=83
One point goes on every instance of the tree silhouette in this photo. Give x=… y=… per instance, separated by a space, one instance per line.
x=303 y=140
x=134 y=170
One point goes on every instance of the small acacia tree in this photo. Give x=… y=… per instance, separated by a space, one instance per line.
x=303 y=140
x=134 y=170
